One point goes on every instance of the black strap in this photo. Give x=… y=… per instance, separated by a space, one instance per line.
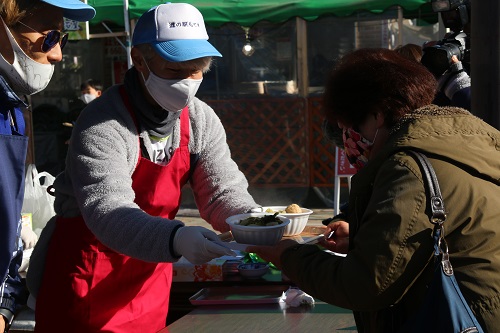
x=436 y=199
x=438 y=215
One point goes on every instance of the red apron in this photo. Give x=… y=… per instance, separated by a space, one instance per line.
x=88 y=287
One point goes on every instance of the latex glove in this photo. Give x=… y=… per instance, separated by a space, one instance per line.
x=199 y=245
x=29 y=237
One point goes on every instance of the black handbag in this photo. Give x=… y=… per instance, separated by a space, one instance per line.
x=444 y=308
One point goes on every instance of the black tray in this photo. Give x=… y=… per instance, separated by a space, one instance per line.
x=238 y=295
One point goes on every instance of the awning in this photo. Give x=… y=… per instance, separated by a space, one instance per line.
x=249 y=12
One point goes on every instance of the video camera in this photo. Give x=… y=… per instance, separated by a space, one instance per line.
x=455 y=15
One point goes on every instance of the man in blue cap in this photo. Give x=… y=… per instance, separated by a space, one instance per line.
x=31 y=41
x=109 y=262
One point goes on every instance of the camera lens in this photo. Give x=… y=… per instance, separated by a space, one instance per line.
x=437 y=58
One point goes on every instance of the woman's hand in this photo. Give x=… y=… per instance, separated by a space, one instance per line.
x=272 y=253
x=339 y=241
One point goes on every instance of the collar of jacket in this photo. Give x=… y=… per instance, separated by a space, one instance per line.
x=8 y=98
x=363 y=180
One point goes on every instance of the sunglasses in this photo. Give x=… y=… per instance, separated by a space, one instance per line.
x=51 y=38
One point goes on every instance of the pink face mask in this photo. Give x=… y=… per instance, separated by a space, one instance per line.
x=357 y=148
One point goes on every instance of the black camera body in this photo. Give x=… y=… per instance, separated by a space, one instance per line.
x=437 y=58
x=455 y=15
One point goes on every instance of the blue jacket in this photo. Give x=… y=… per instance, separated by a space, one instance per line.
x=12 y=291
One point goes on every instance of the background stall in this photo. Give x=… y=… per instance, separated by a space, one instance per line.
x=269 y=99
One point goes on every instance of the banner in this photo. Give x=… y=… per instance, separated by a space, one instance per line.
x=76 y=30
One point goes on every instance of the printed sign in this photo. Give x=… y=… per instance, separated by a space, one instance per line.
x=76 y=30
x=344 y=168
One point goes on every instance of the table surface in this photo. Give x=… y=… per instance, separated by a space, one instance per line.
x=185 y=317
x=276 y=318
x=182 y=290
x=182 y=313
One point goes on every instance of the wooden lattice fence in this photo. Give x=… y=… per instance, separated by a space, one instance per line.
x=322 y=152
x=277 y=142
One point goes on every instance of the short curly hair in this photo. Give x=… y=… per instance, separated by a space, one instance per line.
x=367 y=81
x=411 y=51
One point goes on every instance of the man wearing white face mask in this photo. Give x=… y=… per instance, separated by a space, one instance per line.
x=131 y=151
x=30 y=44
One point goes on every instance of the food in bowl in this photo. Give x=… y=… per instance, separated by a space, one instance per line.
x=293 y=208
x=261 y=221
x=298 y=221
x=255 y=234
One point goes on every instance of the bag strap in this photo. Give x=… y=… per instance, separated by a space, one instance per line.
x=438 y=212
x=437 y=201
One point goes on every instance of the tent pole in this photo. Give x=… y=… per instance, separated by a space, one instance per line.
x=126 y=20
x=400 y=25
x=302 y=75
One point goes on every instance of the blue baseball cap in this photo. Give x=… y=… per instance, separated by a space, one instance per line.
x=74 y=10
x=176 y=31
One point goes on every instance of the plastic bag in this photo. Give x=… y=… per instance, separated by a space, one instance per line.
x=37 y=200
x=37 y=262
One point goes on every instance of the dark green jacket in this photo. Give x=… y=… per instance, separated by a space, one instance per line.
x=383 y=278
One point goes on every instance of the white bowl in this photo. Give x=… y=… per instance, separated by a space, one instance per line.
x=256 y=235
x=298 y=221
x=253 y=270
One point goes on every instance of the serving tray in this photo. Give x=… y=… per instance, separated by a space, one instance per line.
x=238 y=295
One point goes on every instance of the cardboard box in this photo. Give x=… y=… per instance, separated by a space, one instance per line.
x=188 y=272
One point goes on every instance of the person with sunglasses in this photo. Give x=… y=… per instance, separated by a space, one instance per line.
x=31 y=42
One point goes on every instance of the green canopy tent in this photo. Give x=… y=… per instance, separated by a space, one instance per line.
x=248 y=12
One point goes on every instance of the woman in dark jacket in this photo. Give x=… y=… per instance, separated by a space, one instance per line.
x=381 y=101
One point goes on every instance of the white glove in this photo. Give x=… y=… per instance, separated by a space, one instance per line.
x=29 y=237
x=453 y=80
x=199 y=245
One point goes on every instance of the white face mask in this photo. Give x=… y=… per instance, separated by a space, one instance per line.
x=25 y=75
x=87 y=98
x=171 y=95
